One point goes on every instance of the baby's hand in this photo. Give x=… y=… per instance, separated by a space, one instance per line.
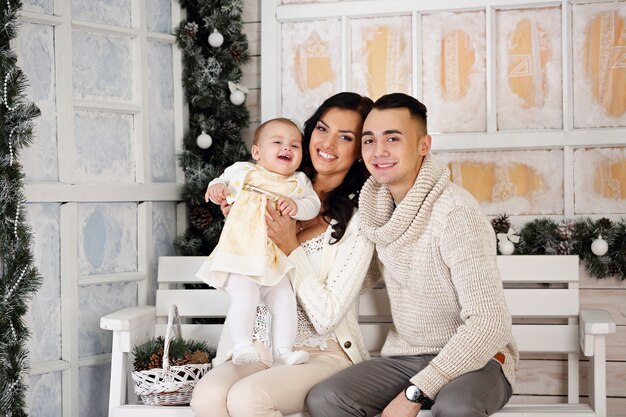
x=287 y=206
x=216 y=193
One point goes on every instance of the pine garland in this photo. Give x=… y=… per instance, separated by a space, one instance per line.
x=20 y=278
x=575 y=237
x=206 y=73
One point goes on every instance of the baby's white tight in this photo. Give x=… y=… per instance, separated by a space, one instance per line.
x=279 y=300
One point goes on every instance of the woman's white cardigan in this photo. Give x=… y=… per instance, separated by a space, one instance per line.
x=330 y=297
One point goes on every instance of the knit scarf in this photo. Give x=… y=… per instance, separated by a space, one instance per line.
x=384 y=225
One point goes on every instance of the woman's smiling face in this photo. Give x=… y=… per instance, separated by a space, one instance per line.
x=336 y=141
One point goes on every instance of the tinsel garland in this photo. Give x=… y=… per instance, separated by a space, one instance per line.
x=573 y=237
x=206 y=73
x=20 y=278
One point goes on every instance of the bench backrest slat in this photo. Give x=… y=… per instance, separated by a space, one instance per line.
x=522 y=302
x=179 y=269
x=209 y=332
x=528 y=303
x=538 y=268
x=192 y=303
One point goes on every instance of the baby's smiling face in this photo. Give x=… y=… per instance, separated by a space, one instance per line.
x=279 y=148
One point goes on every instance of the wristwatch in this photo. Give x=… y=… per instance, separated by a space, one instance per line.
x=414 y=394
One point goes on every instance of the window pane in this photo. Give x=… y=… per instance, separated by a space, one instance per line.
x=600 y=180
x=102 y=67
x=454 y=71
x=107 y=238
x=159 y=16
x=94 y=302
x=599 y=57
x=512 y=182
x=104 y=148
x=161 y=113
x=93 y=394
x=110 y=12
x=381 y=55
x=40 y=6
x=529 y=69
x=36 y=58
x=311 y=66
x=163 y=235
x=45 y=395
x=44 y=315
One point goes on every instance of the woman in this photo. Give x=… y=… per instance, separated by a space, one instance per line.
x=326 y=251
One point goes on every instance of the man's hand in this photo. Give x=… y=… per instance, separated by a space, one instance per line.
x=287 y=206
x=401 y=407
x=216 y=193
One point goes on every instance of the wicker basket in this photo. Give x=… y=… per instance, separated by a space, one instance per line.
x=170 y=385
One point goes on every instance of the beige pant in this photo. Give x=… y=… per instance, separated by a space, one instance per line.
x=261 y=390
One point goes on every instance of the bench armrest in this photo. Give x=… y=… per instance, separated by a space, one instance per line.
x=594 y=323
x=128 y=318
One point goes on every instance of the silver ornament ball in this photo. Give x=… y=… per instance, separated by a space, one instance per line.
x=216 y=39
x=599 y=246
x=204 y=140
x=237 y=97
x=506 y=248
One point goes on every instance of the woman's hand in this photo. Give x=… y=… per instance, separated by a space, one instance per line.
x=281 y=229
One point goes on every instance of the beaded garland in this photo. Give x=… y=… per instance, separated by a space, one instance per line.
x=5 y=93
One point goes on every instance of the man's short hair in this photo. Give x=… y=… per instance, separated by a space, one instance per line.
x=403 y=101
x=283 y=120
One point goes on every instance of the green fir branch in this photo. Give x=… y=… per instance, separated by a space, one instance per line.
x=206 y=72
x=20 y=279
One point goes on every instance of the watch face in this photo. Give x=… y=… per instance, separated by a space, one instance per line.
x=412 y=393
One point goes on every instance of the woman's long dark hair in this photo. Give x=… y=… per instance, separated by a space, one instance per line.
x=339 y=203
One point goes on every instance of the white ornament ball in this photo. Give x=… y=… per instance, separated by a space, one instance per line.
x=237 y=97
x=599 y=246
x=204 y=140
x=216 y=39
x=506 y=248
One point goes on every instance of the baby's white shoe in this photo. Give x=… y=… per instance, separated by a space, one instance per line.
x=245 y=353
x=291 y=357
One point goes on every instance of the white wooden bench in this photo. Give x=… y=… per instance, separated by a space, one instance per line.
x=541 y=292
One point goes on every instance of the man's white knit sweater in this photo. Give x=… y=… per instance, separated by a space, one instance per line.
x=439 y=265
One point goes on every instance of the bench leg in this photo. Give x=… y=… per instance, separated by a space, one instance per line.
x=597 y=376
x=117 y=394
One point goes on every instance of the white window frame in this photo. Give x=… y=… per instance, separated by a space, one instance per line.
x=69 y=194
x=274 y=14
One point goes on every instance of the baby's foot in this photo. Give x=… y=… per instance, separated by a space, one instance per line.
x=245 y=353
x=291 y=357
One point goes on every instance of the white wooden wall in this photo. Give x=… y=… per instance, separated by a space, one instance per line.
x=540 y=378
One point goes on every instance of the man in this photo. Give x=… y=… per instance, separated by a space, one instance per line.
x=451 y=346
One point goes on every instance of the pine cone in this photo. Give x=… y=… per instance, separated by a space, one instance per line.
x=156 y=360
x=236 y=52
x=198 y=357
x=564 y=248
x=566 y=228
x=200 y=218
x=501 y=224
x=603 y=225
x=182 y=361
x=191 y=29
